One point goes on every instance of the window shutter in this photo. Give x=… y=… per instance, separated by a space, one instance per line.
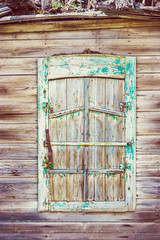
x=86 y=133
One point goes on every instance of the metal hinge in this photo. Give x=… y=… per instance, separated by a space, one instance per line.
x=125 y=105
x=47 y=106
x=49 y=147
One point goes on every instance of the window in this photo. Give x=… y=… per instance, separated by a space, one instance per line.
x=86 y=133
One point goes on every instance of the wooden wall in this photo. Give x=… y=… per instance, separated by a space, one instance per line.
x=21 y=45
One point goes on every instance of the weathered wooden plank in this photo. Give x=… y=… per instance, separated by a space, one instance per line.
x=125 y=33
x=148 y=166
x=148 y=145
x=65 y=112
x=61 y=194
x=24 y=95
x=86 y=65
x=19 y=205
x=99 y=101
x=109 y=206
x=78 y=227
x=130 y=134
x=148 y=101
x=45 y=48
x=76 y=25
x=86 y=135
x=148 y=81
x=18 y=168
x=72 y=171
x=103 y=110
x=75 y=130
x=18 y=112
x=57 y=126
x=148 y=205
x=18 y=66
x=148 y=123
x=148 y=188
x=14 y=81
x=146 y=64
x=18 y=133
x=18 y=190
x=35 y=48
x=42 y=126
x=91 y=137
x=23 y=215
x=80 y=231
x=65 y=171
x=114 y=126
x=18 y=151
x=18 y=99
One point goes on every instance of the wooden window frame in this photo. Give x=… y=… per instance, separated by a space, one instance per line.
x=128 y=71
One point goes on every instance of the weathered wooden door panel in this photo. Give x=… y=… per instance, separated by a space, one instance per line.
x=66 y=187
x=90 y=129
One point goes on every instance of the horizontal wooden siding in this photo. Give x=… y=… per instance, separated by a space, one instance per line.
x=21 y=45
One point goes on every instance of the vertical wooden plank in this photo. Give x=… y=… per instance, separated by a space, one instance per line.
x=43 y=184
x=91 y=138
x=57 y=130
x=74 y=99
x=57 y=126
x=86 y=139
x=99 y=133
x=130 y=125
x=114 y=133
x=75 y=128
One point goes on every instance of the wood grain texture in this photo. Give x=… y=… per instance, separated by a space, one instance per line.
x=19 y=161
x=13 y=168
x=43 y=94
x=81 y=231
x=86 y=66
x=18 y=66
x=125 y=33
x=35 y=48
x=76 y=25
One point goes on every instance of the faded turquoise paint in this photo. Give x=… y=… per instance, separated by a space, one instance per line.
x=83 y=66
x=102 y=60
x=130 y=121
x=86 y=206
x=42 y=125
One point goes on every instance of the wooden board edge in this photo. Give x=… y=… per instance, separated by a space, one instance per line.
x=74 y=25
x=130 y=96
x=108 y=206
x=42 y=125
x=79 y=65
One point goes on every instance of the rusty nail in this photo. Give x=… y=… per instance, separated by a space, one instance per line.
x=129 y=144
